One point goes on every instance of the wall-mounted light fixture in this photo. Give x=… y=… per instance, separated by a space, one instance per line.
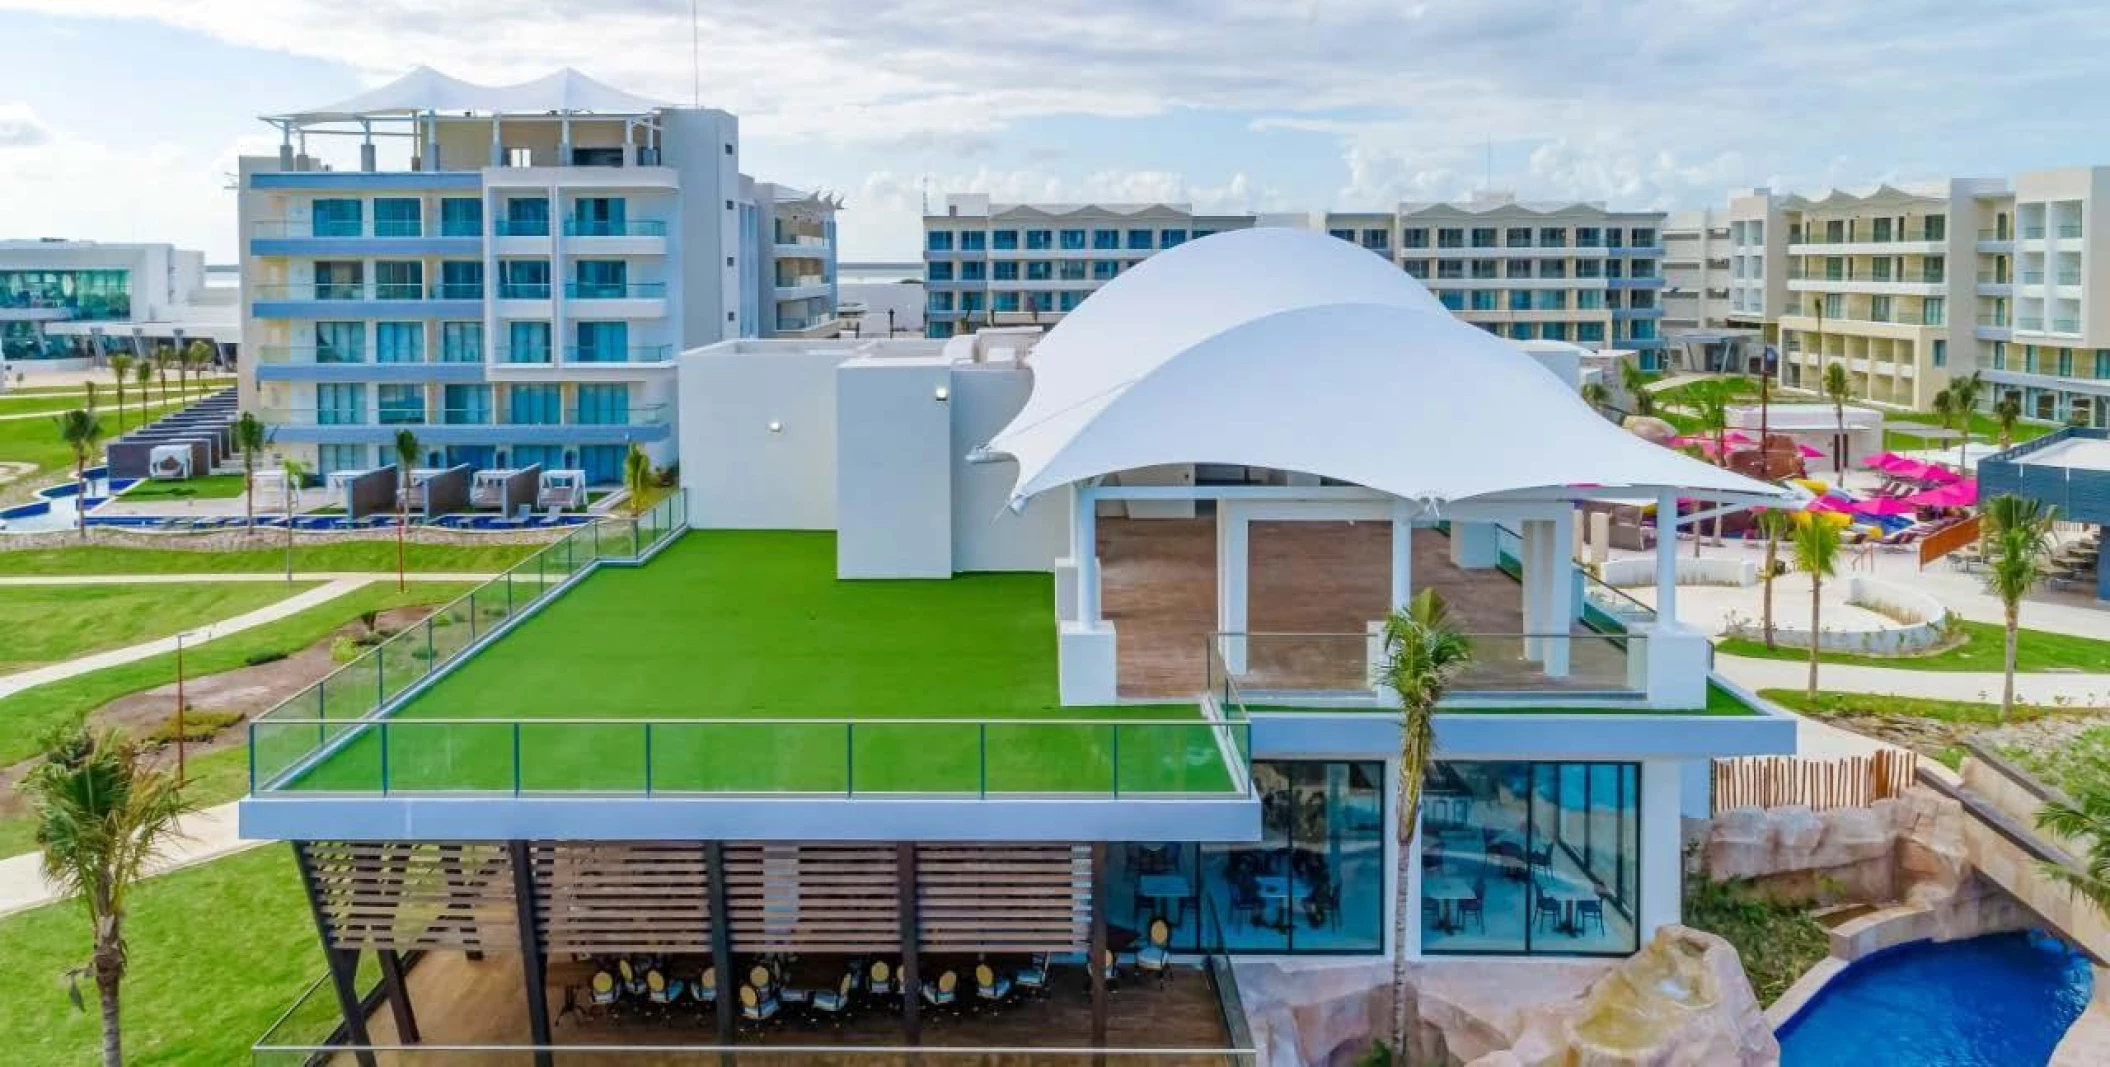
x=775 y=426
x=943 y=394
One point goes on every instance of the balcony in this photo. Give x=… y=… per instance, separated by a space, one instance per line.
x=2032 y=323
x=2069 y=277
x=2033 y=277
x=788 y=324
x=612 y=228
x=2032 y=233
x=523 y=290
x=2070 y=231
x=2066 y=326
x=465 y=426
x=307 y=300
x=521 y=227
x=632 y=354
x=615 y=290
x=356 y=237
x=311 y=363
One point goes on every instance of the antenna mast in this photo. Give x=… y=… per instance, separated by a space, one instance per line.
x=695 y=58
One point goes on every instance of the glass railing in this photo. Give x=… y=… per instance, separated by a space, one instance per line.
x=1992 y=320
x=2065 y=325
x=297 y=415
x=399 y=290
x=1991 y=277
x=2033 y=277
x=2030 y=322
x=611 y=354
x=808 y=281
x=521 y=227
x=307 y=354
x=458 y=291
x=614 y=228
x=523 y=290
x=1345 y=669
x=2069 y=277
x=362 y=291
x=634 y=415
x=801 y=240
x=2032 y=233
x=399 y=228
x=524 y=355
x=615 y=290
x=2069 y=231
x=808 y=322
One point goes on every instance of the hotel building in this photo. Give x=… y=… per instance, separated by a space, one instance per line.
x=65 y=304
x=1910 y=286
x=1107 y=730
x=1554 y=272
x=513 y=286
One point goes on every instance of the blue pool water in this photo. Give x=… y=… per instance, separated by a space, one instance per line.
x=1998 y=1001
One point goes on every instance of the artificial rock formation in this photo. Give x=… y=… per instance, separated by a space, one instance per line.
x=1910 y=848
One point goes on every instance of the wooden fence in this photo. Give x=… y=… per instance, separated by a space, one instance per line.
x=1947 y=540
x=1818 y=784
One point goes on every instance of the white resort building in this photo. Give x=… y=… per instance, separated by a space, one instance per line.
x=510 y=271
x=67 y=304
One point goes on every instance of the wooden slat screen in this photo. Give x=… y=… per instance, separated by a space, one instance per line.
x=594 y=897
x=812 y=898
x=1004 y=898
x=382 y=895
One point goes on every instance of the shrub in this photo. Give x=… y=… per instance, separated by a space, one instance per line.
x=197 y=726
x=345 y=649
x=258 y=659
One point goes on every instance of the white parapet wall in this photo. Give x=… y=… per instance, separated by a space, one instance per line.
x=1637 y=571
x=1918 y=622
x=893 y=468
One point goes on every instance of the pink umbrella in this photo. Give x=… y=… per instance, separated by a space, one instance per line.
x=1883 y=505
x=1809 y=452
x=1826 y=503
x=1881 y=461
x=1959 y=494
x=1736 y=437
x=1912 y=470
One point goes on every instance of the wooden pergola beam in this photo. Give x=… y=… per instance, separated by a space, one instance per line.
x=533 y=973
x=911 y=979
x=343 y=964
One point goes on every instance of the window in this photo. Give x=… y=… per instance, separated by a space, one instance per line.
x=340 y=404
x=2066 y=363
x=1072 y=240
x=1523 y=331
x=461 y=342
x=601 y=279
x=466 y=405
x=1377 y=240
x=1416 y=268
x=1003 y=302
x=461 y=279
x=1452 y=299
x=2102 y=363
x=1342 y=235
x=974 y=271
x=527 y=342
x=1004 y=240
x=1641 y=268
x=1330 y=857
x=399 y=280
x=526 y=216
x=938 y=272
x=340 y=280
x=1106 y=239
x=1040 y=240
x=974 y=241
x=1941 y=352
x=1935 y=228
x=938 y=240
x=1520 y=300
x=1553 y=268
x=1549 y=300
x=1416 y=237
x=340 y=342
x=1552 y=237
x=1039 y=270
x=602 y=405
x=1483 y=237
x=598 y=216
x=1589 y=332
x=1139 y=240
x=1070 y=270
x=1171 y=238
x=461 y=216
x=1069 y=300
x=1644 y=238
x=1450 y=238
x=601 y=342
x=940 y=302
x=1517 y=268
x=535 y=405
x=1934 y=311
x=1006 y=270
x=1589 y=299
x=1588 y=237
x=399 y=342
x=523 y=279
x=1589 y=268
x=1105 y=269
x=1555 y=331
x=1484 y=268
x=333 y=458
x=972 y=302
x=398 y=216
x=400 y=405
x=1485 y=299
x=1879 y=308
x=334 y=218
x=1517 y=237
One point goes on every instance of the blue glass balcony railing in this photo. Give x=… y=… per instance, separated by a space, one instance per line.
x=614 y=228
x=615 y=290
x=616 y=354
x=522 y=228
x=523 y=290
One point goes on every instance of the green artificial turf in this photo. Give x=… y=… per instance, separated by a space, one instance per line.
x=376 y=556
x=209 y=487
x=1981 y=650
x=43 y=624
x=1833 y=704
x=745 y=626
x=217 y=952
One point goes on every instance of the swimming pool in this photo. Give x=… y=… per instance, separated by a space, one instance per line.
x=1999 y=1001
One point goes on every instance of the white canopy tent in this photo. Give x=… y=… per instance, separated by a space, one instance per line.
x=426 y=91
x=1296 y=351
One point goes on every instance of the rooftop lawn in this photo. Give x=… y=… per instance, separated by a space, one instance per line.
x=207 y=487
x=754 y=628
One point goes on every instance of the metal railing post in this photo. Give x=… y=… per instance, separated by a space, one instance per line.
x=648 y=759
x=984 y=731
x=850 y=759
x=1117 y=761
x=384 y=757
x=516 y=757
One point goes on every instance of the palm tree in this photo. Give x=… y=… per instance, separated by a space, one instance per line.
x=295 y=472
x=101 y=817
x=1633 y=381
x=197 y=356
x=1945 y=408
x=80 y=429
x=407 y=449
x=1964 y=393
x=1597 y=395
x=250 y=437
x=2083 y=821
x=2017 y=539
x=121 y=369
x=143 y=375
x=163 y=356
x=2005 y=414
x=1778 y=526
x=637 y=477
x=1817 y=553
x=1840 y=388
x=1424 y=654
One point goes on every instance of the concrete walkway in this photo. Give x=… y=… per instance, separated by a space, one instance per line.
x=106 y=405
x=204 y=835
x=244 y=576
x=14 y=683
x=1967 y=686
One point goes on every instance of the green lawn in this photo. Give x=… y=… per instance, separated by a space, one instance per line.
x=1981 y=650
x=27 y=715
x=1719 y=702
x=48 y=623
x=105 y=402
x=217 y=952
x=1832 y=704
x=743 y=626
x=1983 y=427
x=209 y=487
x=378 y=556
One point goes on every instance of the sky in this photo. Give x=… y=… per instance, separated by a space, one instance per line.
x=122 y=119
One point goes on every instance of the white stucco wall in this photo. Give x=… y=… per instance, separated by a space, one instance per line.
x=986 y=534
x=739 y=473
x=893 y=467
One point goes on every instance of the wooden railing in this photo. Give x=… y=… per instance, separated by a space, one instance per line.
x=1818 y=784
x=1947 y=540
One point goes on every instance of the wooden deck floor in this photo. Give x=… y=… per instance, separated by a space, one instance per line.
x=464 y=1002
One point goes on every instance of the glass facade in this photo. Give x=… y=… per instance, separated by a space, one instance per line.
x=1531 y=858
x=90 y=295
x=1313 y=884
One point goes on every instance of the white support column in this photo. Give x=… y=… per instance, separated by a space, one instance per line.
x=1661 y=845
x=1559 y=591
x=498 y=147
x=1084 y=549
x=1402 y=553
x=1667 y=556
x=1233 y=581
x=1533 y=535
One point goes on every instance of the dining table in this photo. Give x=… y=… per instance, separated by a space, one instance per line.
x=1447 y=892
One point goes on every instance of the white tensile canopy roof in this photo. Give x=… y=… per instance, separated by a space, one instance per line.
x=427 y=90
x=1297 y=351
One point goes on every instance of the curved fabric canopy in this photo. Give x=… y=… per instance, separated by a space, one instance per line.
x=425 y=89
x=1297 y=351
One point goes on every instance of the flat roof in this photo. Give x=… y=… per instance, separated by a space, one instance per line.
x=2076 y=453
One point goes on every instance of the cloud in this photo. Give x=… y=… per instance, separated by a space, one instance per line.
x=139 y=190
x=19 y=127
